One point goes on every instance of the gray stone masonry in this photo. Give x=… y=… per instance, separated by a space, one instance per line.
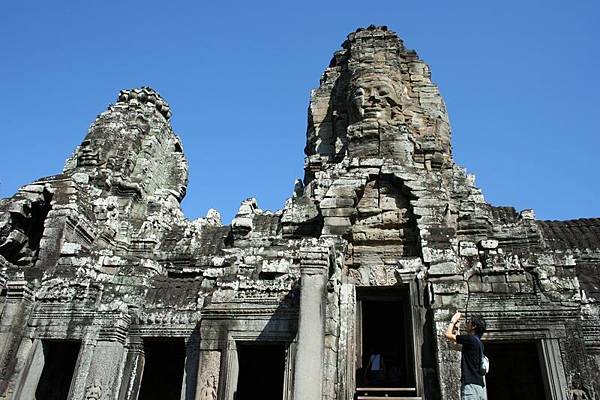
x=101 y=254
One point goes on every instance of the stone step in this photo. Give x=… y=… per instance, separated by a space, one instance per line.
x=385 y=389
x=388 y=398
x=386 y=393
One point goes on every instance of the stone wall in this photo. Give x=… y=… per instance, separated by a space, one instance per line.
x=102 y=254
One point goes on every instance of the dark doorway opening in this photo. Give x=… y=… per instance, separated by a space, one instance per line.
x=60 y=358
x=261 y=371
x=385 y=329
x=515 y=371
x=164 y=361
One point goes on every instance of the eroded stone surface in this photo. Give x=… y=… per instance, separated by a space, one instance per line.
x=103 y=254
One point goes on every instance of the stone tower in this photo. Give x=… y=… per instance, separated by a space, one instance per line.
x=109 y=292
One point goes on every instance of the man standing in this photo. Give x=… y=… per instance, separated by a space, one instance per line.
x=471 y=376
x=375 y=369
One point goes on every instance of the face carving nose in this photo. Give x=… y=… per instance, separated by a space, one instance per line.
x=374 y=99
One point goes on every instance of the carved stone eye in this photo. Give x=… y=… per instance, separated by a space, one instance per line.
x=359 y=92
x=383 y=91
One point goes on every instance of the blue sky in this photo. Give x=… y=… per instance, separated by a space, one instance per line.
x=520 y=80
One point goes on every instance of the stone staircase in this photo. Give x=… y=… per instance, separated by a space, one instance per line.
x=386 y=393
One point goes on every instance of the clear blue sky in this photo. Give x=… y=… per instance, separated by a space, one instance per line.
x=520 y=79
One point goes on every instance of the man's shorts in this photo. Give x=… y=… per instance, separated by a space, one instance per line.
x=473 y=392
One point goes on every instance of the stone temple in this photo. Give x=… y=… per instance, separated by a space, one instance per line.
x=109 y=292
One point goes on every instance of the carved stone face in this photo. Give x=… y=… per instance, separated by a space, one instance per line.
x=96 y=147
x=373 y=96
x=87 y=155
x=108 y=139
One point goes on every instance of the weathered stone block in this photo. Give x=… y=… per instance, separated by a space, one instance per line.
x=480 y=287
x=444 y=268
x=336 y=202
x=391 y=218
x=468 y=249
x=500 y=278
x=453 y=300
x=489 y=244
x=368 y=203
x=70 y=249
x=516 y=277
x=526 y=288
x=338 y=212
x=337 y=221
x=450 y=287
x=505 y=287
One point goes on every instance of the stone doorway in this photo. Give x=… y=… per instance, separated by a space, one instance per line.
x=164 y=361
x=516 y=371
x=261 y=371
x=384 y=326
x=59 y=358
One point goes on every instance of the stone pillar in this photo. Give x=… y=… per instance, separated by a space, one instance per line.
x=448 y=296
x=105 y=371
x=314 y=265
x=101 y=362
x=132 y=372
x=217 y=366
x=347 y=348
x=209 y=366
x=82 y=368
x=13 y=324
x=30 y=376
x=190 y=371
x=448 y=358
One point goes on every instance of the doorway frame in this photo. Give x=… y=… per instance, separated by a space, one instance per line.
x=409 y=294
x=230 y=368
x=141 y=348
x=247 y=320
x=35 y=363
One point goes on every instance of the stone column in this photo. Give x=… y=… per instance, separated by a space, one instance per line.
x=314 y=264
x=14 y=344
x=82 y=367
x=212 y=342
x=101 y=362
x=132 y=372
x=105 y=371
x=30 y=376
x=347 y=347
x=448 y=358
x=190 y=371
x=209 y=365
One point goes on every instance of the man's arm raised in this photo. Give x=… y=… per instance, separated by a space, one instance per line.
x=450 y=329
